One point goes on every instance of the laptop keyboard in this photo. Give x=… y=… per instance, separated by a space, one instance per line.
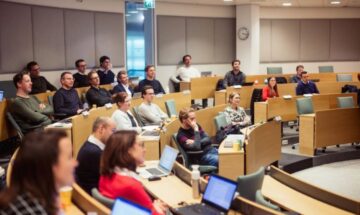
x=204 y=209
x=154 y=171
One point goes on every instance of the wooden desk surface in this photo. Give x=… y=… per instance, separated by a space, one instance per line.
x=296 y=201
x=73 y=210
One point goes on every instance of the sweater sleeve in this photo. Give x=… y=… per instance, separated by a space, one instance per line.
x=265 y=94
x=32 y=116
x=139 y=196
x=182 y=138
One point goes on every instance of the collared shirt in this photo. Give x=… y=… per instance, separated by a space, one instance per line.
x=92 y=139
x=232 y=79
x=126 y=87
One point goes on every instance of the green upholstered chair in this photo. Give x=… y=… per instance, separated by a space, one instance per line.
x=170 y=107
x=249 y=184
x=274 y=70
x=345 y=102
x=190 y=158
x=102 y=199
x=343 y=77
x=304 y=106
x=325 y=69
x=220 y=121
x=14 y=124
x=261 y=200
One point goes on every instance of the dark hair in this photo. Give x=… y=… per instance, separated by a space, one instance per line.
x=119 y=97
x=116 y=152
x=148 y=67
x=30 y=65
x=18 y=78
x=299 y=66
x=78 y=62
x=143 y=91
x=234 y=61
x=103 y=58
x=184 y=113
x=32 y=170
x=63 y=74
x=302 y=73
x=90 y=74
x=120 y=73
x=185 y=56
x=232 y=95
x=275 y=87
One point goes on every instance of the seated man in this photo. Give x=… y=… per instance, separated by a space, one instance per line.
x=105 y=73
x=149 y=112
x=88 y=171
x=305 y=86
x=39 y=83
x=96 y=95
x=26 y=109
x=151 y=81
x=296 y=78
x=186 y=72
x=123 y=84
x=66 y=100
x=193 y=138
x=235 y=76
x=81 y=79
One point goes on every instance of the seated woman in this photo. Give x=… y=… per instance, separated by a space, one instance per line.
x=270 y=91
x=43 y=165
x=123 y=153
x=122 y=117
x=236 y=114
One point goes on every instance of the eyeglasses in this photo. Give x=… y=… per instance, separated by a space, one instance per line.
x=97 y=77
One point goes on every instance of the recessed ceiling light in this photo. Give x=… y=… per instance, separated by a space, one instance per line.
x=286 y=4
x=335 y=2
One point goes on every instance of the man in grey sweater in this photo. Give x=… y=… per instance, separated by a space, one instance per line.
x=150 y=113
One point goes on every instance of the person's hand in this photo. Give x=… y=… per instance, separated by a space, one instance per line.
x=189 y=142
x=193 y=125
x=79 y=111
x=160 y=206
x=42 y=106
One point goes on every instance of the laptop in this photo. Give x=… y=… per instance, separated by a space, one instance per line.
x=125 y=207
x=1 y=95
x=216 y=200
x=206 y=73
x=165 y=165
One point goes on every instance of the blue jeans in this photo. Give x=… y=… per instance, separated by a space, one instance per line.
x=211 y=157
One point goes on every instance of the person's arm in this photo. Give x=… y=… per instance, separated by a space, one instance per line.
x=265 y=94
x=32 y=116
x=140 y=86
x=148 y=115
x=225 y=81
x=247 y=120
x=205 y=139
x=49 y=86
x=138 y=194
x=299 y=90
x=189 y=144
x=243 y=78
x=161 y=88
x=174 y=76
x=162 y=114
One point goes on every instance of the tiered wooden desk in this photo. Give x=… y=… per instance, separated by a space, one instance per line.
x=201 y=88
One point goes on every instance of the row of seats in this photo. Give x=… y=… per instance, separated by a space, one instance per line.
x=279 y=70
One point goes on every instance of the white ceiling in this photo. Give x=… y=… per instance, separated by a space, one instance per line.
x=271 y=3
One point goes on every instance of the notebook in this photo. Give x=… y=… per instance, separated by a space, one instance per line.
x=125 y=207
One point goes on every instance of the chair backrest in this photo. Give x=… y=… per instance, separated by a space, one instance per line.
x=345 y=102
x=324 y=69
x=102 y=199
x=261 y=200
x=182 y=151
x=220 y=121
x=274 y=70
x=256 y=96
x=50 y=100
x=15 y=125
x=137 y=116
x=170 y=107
x=249 y=184
x=304 y=106
x=343 y=77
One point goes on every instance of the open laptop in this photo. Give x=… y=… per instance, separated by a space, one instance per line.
x=165 y=165
x=216 y=200
x=1 y=95
x=125 y=207
x=206 y=73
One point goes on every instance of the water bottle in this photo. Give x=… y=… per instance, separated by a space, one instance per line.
x=195 y=181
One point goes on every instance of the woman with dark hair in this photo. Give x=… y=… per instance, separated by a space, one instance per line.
x=43 y=165
x=123 y=153
x=235 y=114
x=270 y=91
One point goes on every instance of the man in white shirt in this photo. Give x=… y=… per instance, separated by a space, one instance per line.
x=186 y=72
x=150 y=113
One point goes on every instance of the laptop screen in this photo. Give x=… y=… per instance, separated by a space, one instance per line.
x=168 y=157
x=1 y=95
x=220 y=192
x=122 y=206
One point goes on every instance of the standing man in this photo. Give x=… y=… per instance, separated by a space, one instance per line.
x=66 y=100
x=151 y=81
x=305 y=86
x=27 y=110
x=105 y=74
x=39 y=83
x=296 y=78
x=88 y=171
x=123 y=84
x=96 y=95
x=80 y=77
x=186 y=72
x=235 y=76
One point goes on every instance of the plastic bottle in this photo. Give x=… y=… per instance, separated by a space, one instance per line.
x=195 y=181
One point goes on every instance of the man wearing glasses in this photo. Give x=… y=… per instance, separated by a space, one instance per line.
x=305 y=86
x=96 y=95
x=66 y=100
x=39 y=83
x=80 y=77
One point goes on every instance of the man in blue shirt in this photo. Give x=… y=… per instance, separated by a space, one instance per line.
x=305 y=86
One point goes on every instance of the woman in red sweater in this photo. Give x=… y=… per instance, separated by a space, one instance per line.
x=270 y=91
x=123 y=153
